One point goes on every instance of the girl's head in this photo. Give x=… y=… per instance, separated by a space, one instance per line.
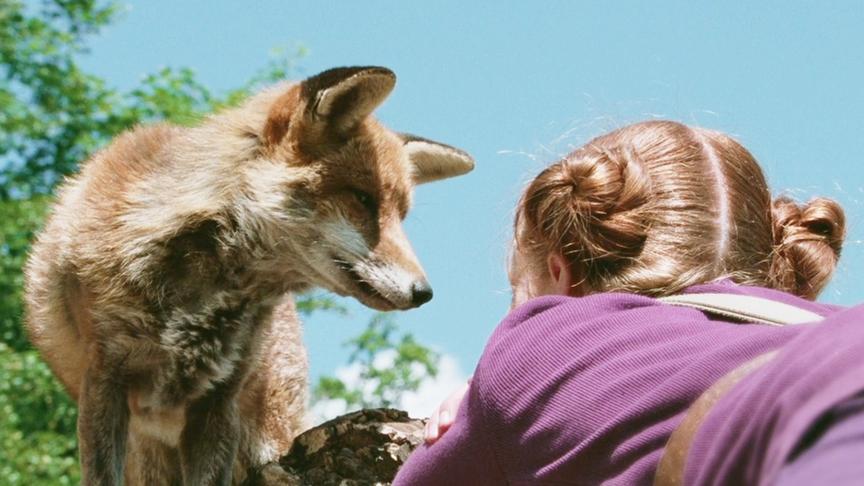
x=658 y=206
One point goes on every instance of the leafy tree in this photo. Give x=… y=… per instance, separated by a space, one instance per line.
x=54 y=114
x=19 y=219
x=390 y=364
x=37 y=423
x=50 y=106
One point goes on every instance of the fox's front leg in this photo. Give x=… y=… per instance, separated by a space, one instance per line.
x=103 y=423
x=209 y=443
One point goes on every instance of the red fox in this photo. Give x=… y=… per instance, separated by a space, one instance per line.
x=159 y=290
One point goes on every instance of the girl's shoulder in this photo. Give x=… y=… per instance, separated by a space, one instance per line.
x=547 y=335
x=550 y=309
x=537 y=315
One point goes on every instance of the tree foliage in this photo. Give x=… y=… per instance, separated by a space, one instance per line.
x=37 y=423
x=54 y=114
x=390 y=364
x=19 y=220
x=50 y=106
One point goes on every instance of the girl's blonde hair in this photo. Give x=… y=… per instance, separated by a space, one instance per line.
x=658 y=206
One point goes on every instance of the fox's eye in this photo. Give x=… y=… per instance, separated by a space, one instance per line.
x=366 y=200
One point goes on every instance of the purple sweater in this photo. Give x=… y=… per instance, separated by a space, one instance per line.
x=587 y=391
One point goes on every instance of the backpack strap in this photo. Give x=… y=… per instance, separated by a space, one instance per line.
x=744 y=308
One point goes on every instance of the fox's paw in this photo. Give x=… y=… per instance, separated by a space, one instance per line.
x=272 y=474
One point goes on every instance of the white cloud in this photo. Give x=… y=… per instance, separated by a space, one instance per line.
x=422 y=403
x=433 y=391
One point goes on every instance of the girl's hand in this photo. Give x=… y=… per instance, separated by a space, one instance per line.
x=442 y=418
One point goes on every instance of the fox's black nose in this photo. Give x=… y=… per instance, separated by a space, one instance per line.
x=421 y=292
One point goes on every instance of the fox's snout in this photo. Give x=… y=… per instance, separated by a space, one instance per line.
x=387 y=277
x=400 y=288
x=393 y=285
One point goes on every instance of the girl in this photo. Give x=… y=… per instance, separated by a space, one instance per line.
x=590 y=374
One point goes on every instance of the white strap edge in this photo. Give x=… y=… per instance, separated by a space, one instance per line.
x=744 y=307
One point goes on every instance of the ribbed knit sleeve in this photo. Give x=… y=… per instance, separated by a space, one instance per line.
x=463 y=455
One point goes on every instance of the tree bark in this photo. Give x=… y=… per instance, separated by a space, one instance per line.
x=366 y=447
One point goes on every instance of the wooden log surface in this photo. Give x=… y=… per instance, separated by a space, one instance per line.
x=361 y=448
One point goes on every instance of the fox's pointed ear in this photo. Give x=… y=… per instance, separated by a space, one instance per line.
x=432 y=161
x=341 y=98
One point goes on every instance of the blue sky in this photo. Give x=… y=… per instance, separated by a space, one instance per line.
x=519 y=83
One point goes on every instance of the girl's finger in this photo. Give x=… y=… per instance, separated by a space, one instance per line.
x=431 y=431
x=445 y=420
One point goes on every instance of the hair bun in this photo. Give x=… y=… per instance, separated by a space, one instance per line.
x=808 y=239
x=603 y=188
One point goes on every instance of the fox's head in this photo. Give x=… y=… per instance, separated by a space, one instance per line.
x=338 y=185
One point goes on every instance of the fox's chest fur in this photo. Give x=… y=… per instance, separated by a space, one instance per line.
x=204 y=346
x=201 y=351
x=190 y=315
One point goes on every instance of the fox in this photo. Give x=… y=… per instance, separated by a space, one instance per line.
x=160 y=290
